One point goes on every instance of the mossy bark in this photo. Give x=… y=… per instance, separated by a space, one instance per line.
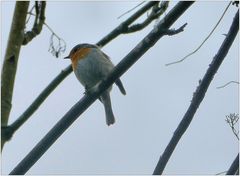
x=9 y=67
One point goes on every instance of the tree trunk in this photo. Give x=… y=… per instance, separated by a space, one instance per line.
x=11 y=59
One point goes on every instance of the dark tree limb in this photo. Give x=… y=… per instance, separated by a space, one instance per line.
x=234 y=167
x=11 y=129
x=64 y=73
x=198 y=95
x=88 y=99
x=124 y=25
x=10 y=62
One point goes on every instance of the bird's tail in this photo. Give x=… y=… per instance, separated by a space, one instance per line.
x=105 y=98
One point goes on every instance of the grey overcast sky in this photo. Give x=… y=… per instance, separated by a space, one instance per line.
x=157 y=96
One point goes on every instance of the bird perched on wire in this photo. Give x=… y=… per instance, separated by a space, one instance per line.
x=90 y=66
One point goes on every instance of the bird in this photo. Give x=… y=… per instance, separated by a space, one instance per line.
x=90 y=66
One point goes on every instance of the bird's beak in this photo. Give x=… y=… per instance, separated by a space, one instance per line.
x=67 y=57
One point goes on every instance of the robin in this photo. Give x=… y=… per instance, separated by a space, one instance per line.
x=90 y=66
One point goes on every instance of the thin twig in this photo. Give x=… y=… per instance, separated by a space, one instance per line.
x=55 y=49
x=175 y=31
x=52 y=31
x=30 y=12
x=155 y=14
x=131 y=9
x=193 y=52
x=232 y=120
x=236 y=82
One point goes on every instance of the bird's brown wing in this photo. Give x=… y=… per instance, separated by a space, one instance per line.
x=118 y=82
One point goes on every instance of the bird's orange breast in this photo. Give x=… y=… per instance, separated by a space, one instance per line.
x=80 y=54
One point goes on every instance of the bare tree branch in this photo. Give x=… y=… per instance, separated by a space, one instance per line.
x=156 y=12
x=56 y=45
x=30 y=12
x=124 y=25
x=198 y=95
x=38 y=22
x=232 y=120
x=131 y=9
x=88 y=99
x=227 y=84
x=175 y=31
x=193 y=52
x=10 y=130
